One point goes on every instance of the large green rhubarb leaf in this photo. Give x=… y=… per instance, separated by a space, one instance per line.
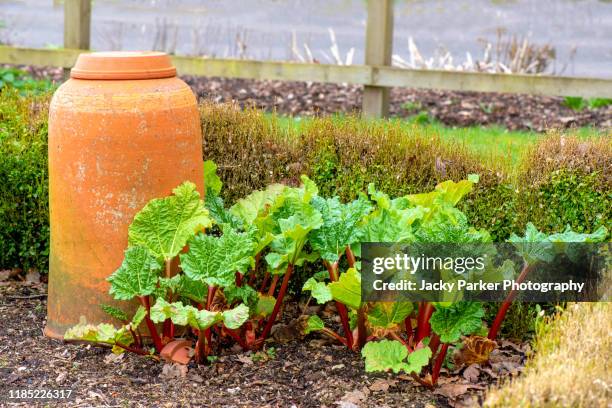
x=569 y=235
x=456 y=320
x=137 y=275
x=194 y=290
x=392 y=225
x=165 y=225
x=388 y=315
x=257 y=203
x=286 y=248
x=341 y=225
x=215 y=260
x=388 y=355
x=534 y=246
x=347 y=290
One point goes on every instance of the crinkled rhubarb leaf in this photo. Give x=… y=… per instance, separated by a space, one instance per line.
x=165 y=225
x=215 y=260
x=212 y=182
x=286 y=248
x=456 y=320
x=318 y=290
x=163 y=310
x=387 y=315
x=234 y=318
x=222 y=217
x=347 y=289
x=314 y=323
x=183 y=315
x=341 y=225
x=384 y=355
x=569 y=235
x=449 y=225
x=418 y=359
x=193 y=289
x=244 y=293
x=388 y=355
x=256 y=204
x=534 y=246
x=202 y=319
x=137 y=275
x=391 y=225
x=102 y=333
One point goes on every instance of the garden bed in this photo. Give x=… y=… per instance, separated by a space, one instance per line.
x=313 y=372
x=515 y=112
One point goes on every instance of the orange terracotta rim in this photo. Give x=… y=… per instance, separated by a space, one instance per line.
x=123 y=65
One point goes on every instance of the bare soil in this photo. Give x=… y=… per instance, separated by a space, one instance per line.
x=513 y=111
x=313 y=372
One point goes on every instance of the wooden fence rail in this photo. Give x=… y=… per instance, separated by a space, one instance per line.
x=376 y=76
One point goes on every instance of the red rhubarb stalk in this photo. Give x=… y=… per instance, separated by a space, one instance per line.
x=144 y=300
x=277 y=305
x=434 y=343
x=503 y=309
x=423 y=328
x=265 y=282
x=438 y=365
x=234 y=335
x=342 y=311
x=273 y=285
x=252 y=274
x=350 y=257
x=361 y=328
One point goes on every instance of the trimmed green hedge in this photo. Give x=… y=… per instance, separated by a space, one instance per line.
x=24 y=205
x=563 y=180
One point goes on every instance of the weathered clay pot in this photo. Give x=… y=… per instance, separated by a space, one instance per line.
x=123 y=130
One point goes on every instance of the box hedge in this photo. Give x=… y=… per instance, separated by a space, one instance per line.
x=562 y=180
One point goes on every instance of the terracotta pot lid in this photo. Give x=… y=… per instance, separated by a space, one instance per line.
x=123 y=65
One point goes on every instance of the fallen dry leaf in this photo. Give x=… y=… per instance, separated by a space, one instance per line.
x=244 y=359
x=382 y=385
x=354 y=397
x=471 y=373
x=512 y=345
x=453 y=390
x=172 y=371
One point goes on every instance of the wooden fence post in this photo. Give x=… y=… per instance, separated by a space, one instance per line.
x=77 y=26
x=378 y=50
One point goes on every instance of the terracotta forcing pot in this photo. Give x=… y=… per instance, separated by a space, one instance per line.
x=123 y=130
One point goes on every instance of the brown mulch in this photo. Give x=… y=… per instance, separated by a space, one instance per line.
x=515 y=112
x=313 y=372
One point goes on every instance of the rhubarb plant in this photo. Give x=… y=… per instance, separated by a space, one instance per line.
x=195 y=267
x=384 y=331
x=215 y=275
